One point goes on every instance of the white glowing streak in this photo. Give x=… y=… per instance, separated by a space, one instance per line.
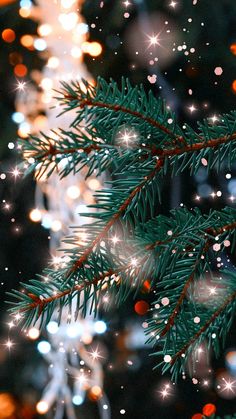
x=9 y=344
x=95 y=354
x=115 y=239
x=214 y=118
x=16 y=172
x=21 y=85
x=192 y=108
x=82 y=378
x=126 y=137
x=229 y=385
x=154 y=40
x=213 y=291
x=134 y=262
x=165 y=393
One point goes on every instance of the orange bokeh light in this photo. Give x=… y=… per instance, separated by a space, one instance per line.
x=20 y=70
x=27 y=41
x=233 y=48
x=95 y=393
x=5 y=2
x=7 y=406
x=8 y=35
x=146 y=286
x=234 y=86
x=209 y=409
x=197 y=416
x=141 y=307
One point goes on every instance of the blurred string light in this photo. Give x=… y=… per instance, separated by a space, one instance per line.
x=64 y=35
x=67 y=356
x=44 y=347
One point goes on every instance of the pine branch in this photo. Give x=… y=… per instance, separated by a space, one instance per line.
x=216 y=316
x=119 y=108
x=208 y=243
x=203 y=329
x=102 y=234
x=105 y=126
x=137 y=137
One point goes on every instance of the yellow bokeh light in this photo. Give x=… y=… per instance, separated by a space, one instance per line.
x=44 y=30
x=27 y=41
x=67 y=3
x=35 y=215
x=42 y=407
x=68 y=20
x=40 y=122
x=56 y=225
x=94 y=184
x=47 y=83
x=53 y=62
x=73 y=192
x=85 y=47
x=33 y=333
x=87 y=338
x=24 y=12
x=95 y=393
x=76 y=52
x=95 y=49
x=24 y=130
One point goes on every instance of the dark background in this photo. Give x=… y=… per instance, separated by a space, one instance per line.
x=25 y=252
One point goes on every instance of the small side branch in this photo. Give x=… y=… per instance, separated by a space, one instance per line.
x=184 y=292
x=183 y=350
x=123 y=109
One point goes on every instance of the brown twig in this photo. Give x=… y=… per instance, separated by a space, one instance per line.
x=77 y=264
x=42 y=302
x=119 y=108
x=169 y=152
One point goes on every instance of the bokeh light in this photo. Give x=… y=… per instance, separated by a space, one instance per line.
x=8 y=35
x=20 y=70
